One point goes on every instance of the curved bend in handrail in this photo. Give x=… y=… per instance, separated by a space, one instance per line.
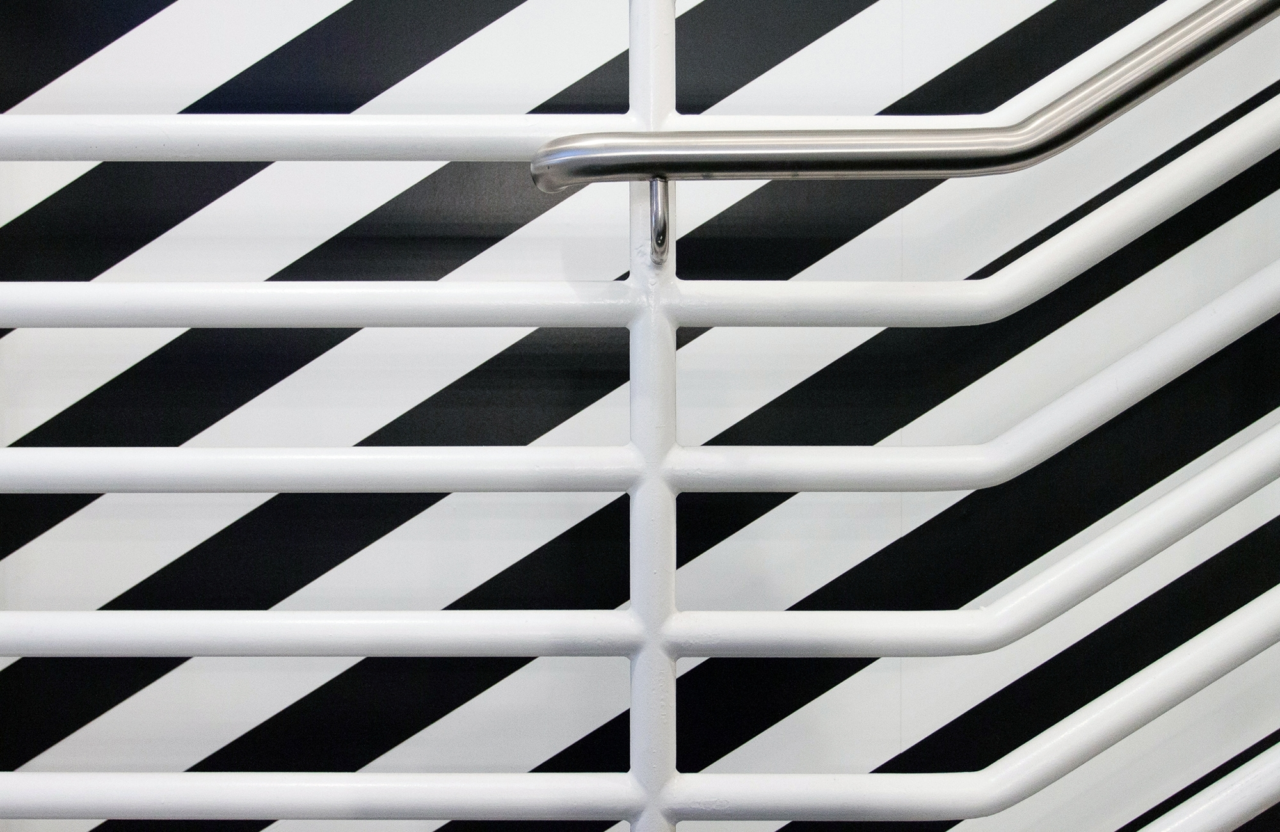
x=920 y=153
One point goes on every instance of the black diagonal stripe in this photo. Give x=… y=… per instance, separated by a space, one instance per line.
x=339 y=727
x=605 y=90
x=1186 y=793
x=721 y=45
x=605 y=749
x=1090 y=667
x=176 y=392
x=266 y=556
x=27 y=516
x=519 y=394
x=432 y=228
x=781 y=229
x=42 y=39
x=1034 y=48
x=43 y=700
x=352 y=56
x=109 y=213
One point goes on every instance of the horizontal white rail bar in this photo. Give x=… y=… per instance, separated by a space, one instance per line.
x=316 y=470
x=96 y=470
x=212 y=138
x=1164 y=358
x=615 y=633
x=322 y=137
x=1006 y=619
x=619 y=633
x=317 y=304
x=1229 y=803
x=1020 y=774
x=325 y=633
x=956 y=303
x=1132 y=704
x=198 y=796
x=692 y=303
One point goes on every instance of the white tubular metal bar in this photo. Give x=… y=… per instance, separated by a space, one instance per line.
x=1008 y=618
x=217 y=796
x=652 y=510
x=1230 y=802
x=97 y=470
x=269 y=138
x=316 y=470
x=1088 y=732
x=327 y=633
x=775 y=468
x=689 y=303
x=317 y=304
x=1031 y=277
x=614 y=633
x=1056 y=752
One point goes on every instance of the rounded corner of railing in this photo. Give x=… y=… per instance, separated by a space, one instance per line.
x=551 y=166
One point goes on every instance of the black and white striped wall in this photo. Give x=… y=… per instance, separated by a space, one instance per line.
x=485 y=221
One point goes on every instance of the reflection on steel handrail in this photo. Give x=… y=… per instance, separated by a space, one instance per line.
x=897 y=153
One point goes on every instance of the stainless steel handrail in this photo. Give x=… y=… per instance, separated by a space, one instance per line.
x=904 y=153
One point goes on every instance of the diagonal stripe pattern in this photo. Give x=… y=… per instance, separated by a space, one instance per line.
x=459 y=411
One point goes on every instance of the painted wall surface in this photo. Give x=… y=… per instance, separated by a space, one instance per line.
x=485 y=221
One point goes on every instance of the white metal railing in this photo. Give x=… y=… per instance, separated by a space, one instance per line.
x=652 y=469
x=1231 y=802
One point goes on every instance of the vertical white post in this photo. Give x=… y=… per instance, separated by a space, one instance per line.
x=653 y=432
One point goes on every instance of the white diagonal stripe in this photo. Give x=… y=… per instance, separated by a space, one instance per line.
x=163 y=65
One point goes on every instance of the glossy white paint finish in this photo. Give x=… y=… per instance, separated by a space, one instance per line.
x=653 y=797
x=1229 y=803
